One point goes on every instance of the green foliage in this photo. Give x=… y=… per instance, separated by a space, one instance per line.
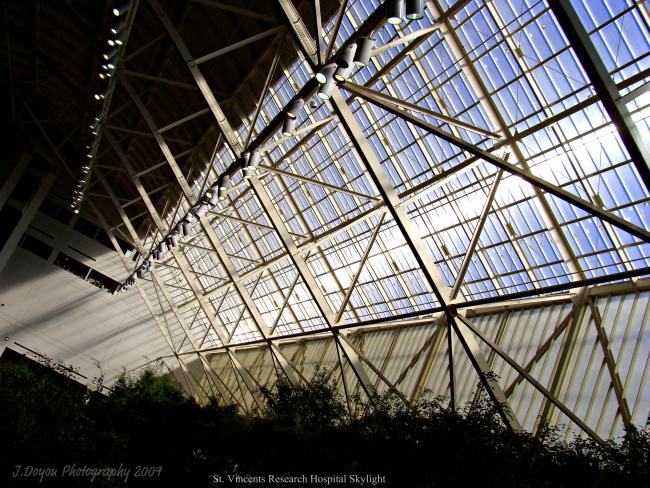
x=37 y=411
x=312 y=406
x=146 y=420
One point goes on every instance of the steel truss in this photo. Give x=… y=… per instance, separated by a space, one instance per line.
x=235 y=283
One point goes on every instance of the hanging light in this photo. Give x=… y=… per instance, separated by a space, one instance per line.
x=294 y=109
x=325 y=90
x=208 y=197
x=117 y=28
x=171 y=241
x=201 y=210
x=179 y=228
x=346 y=58
x=117 y=12
x=111 y=42
x=325 y=73
x=189 y=217
x=141 y=273
x=253 y=161
x=414 y=9
x=395 y=12
x=185 y=229
x=214 y=195
x=224 y=184
x=99 y=96
x=289 y=126
x=255 y=158
x=342 y=74
x=364 y=51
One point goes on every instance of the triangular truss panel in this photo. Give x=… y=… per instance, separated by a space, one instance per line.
x=164 y=312
x=283 y=300
x=318 y=183
x=369 y=273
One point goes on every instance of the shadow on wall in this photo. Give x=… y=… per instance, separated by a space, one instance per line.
x=68 y=319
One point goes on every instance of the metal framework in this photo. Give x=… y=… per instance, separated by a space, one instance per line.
x=456 y=204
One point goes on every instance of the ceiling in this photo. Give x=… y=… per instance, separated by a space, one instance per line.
x=52 y=56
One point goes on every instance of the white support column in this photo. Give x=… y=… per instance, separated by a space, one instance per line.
x=28 y=215
x=13 y=178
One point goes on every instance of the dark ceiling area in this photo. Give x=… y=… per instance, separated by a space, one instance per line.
x=51 y=57
x=49 y=53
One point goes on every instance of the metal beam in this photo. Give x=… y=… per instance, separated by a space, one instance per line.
x=431 y=113
x=265 y=89
x=183 y=120
x=380 y=178
x=200 y=80
x=477 y=233
x=335 y=31
x=549 y=396
x=524 y=174
x=311 y=128
x=284 y=303
x=362 y=262
x=490 y=383
x=610 y=362
x=237 y=10
x=144 y=76
x=144 y=134
x=248 y=222
x=237 y=45
x=233 y=143
x=207 y=228
x=322 y=184
x=318 y=29
x=603 y=84
x=299 y=29
x=169 y=157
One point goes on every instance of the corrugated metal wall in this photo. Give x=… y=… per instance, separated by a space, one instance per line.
x=557 y=343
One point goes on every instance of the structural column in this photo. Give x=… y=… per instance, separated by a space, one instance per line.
x=28 y=214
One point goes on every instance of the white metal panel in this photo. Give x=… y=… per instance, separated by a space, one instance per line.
x=57 y=314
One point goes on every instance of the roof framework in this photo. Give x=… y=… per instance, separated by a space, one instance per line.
x=490 y=152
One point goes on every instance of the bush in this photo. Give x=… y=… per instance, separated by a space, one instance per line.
x=307 y=428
